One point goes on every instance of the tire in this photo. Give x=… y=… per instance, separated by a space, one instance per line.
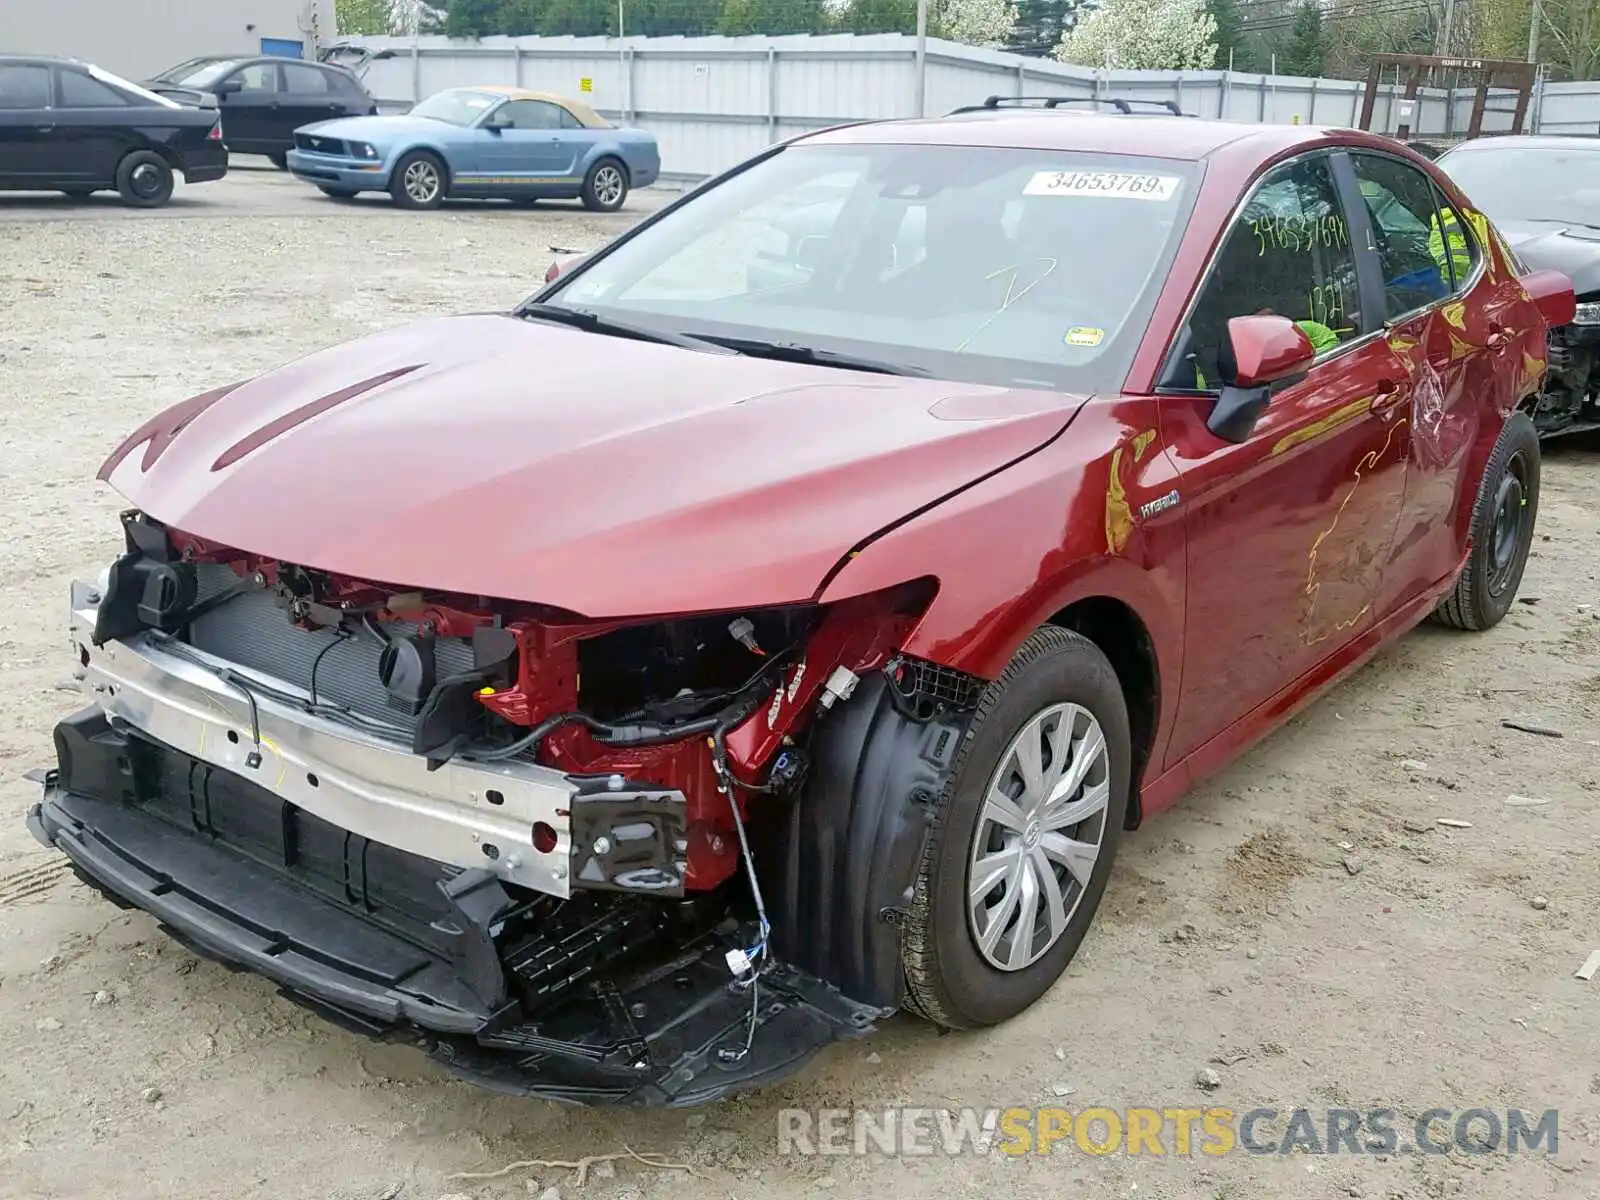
x=605 y=187
x=950 y=979
x=337 y=193
x=79 y=193
x=409 y=185
x=1503 y=517
x=144 y=180
x=279 y=159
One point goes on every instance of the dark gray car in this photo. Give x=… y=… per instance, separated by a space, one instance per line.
x=1543 y=194
x=263 y=100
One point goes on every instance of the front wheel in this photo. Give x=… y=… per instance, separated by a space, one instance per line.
x=144 y=180
x=1024 y=836
x=418 y=181
x=1501 y=534
x=605 y=187
x=279 y=159
x=338 y=193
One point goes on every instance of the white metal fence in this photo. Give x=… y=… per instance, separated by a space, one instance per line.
x=714 y=101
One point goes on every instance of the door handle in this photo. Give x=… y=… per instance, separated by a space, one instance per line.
x=1387 y=396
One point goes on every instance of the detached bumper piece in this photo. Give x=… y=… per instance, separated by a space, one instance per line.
x=603 y=998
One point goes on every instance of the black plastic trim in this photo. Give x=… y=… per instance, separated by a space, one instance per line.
x=840 y=872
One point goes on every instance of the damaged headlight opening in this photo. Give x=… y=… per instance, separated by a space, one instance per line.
x=539 y=817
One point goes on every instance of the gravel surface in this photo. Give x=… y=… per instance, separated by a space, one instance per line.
x=1240 y=960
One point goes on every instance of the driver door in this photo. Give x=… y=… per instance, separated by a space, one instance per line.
x=1289 y=530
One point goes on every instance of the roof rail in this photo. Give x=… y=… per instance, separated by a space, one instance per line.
x=1121 y=104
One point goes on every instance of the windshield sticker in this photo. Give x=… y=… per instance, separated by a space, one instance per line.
x=1118 y=184
x=1085 y=335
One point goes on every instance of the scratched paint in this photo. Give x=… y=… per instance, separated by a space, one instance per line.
x=1315 y=627
x=1119 y=514
x=1142 y=443
x=1456 y=313
x=1316 y=429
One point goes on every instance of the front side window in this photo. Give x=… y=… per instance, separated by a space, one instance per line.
x=1018 y=267
x=1288 y=253
x=1420 y=260
x=530 y=114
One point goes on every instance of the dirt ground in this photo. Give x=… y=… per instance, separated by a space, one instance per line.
x=1436 y=969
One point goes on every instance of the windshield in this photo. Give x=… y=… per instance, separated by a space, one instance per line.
x=200 y=74
x=116 y=81
x=459 y=107
x=1530 y=182
x=1016 y=267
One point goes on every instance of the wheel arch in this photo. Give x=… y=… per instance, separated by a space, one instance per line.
x=427 y=148
x=1117 y=630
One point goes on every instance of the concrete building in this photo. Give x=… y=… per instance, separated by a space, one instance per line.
x=137 y=38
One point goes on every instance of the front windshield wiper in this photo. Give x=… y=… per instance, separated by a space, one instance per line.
x=793 y=352
x=593 y=322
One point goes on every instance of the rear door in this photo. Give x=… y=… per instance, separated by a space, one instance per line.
x=308 y=95
x=93 y=125
x=252 y=115
x=29 y=152
x=1288 y=531
x=1450 y=320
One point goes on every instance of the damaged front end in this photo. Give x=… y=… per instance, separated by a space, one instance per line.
x=599 y=863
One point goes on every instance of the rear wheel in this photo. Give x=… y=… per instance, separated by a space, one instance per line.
x=1024 y=836
x=279 y=159
x=78 y=193
x=605 y=187
x=1503 y=517
x=144 y=180
x=337 y=193
x=418 y=181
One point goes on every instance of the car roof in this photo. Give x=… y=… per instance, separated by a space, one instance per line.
x=1527 y=141
x=586 y=115
x=1188 y=138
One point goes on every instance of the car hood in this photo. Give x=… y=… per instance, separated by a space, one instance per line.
x=1574 y=250
x=378 y=128
x=490 y=455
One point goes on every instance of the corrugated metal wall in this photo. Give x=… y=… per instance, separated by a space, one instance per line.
x=713 y=101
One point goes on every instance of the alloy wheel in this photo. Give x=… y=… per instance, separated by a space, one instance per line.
x=422 y=182
x=1038 y=836
x=608 y=185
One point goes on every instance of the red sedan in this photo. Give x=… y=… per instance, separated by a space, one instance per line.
x=776 y=620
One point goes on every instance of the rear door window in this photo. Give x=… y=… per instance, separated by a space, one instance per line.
x=79 y=91
x=1420 y=246
x=305 y=81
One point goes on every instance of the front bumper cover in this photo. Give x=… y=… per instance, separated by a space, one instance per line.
x=402 y=948
x=335 y=863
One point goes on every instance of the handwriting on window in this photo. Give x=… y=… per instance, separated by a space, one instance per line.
x=1299 y=233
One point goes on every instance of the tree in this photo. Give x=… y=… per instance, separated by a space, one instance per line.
x=773 y=18
x=475 y=18
x=976 y=22
x=1150 y=35
x=1302 y=53
x=356 y=18
x=1230 y=36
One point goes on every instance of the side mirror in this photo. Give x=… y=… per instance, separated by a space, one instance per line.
x=1551 y=293
x=497 y=123
x=228 y=87
x=1261 y=350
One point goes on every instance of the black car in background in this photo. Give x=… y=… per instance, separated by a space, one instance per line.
x=264 y=100
x=1543 y=194
x=70 y=127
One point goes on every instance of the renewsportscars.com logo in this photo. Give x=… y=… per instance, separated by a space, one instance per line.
x=1179 y=1132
